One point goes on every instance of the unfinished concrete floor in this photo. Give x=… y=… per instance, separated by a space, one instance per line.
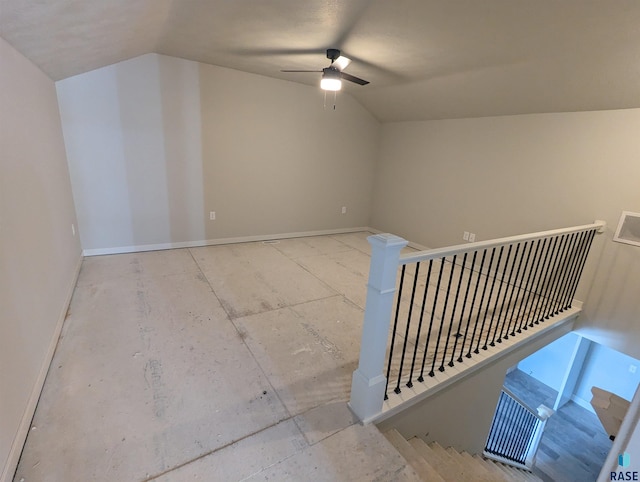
x=219 y=363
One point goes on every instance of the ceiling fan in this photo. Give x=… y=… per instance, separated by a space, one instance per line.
x=333 y=75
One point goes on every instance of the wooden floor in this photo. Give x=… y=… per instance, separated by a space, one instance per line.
x=574 y=445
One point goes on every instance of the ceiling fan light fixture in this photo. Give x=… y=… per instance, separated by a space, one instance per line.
x=330 y=79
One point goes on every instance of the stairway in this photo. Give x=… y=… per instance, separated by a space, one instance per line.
x=436 y=464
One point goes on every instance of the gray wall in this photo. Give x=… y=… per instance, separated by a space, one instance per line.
x=509 y=175
x=39 y=254
x=155 y=143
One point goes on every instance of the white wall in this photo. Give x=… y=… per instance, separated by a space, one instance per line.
x=550 y=364
x=39 y=256
x=607 y=369
x=155 y=143
x=502 y=176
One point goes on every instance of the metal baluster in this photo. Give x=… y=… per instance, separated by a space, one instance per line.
x=458 y=335
x=433 y=313
x=393 y=335
x=575 y=255
x=453 y=312
x=489 y=303
x=549 y=276
x=497 y=417
x=473 y=301
x=582 y=263
x=557 y=267
x=406 y=334
x=442 y=318
x=484 y=289
x=422 y=310
x=554 y=309
x=513 y=289
x=526 y=316
x=527 y=289
x=545 y=266
x=504 y=429
x=504 y=272
x=507 y=319
x=466 y=295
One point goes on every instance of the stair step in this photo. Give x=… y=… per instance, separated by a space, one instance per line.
x=419 y=464
x=476 y=465
x=466 y=463
x=455 y=468
x=425 y=451
x=508 y=470
x=515 y=473
x=492 y=468
x=433 y=463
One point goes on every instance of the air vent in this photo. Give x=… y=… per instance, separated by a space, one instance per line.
x=628 y=229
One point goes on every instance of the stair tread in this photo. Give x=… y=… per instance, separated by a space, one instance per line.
x=413 y=458
x=442 y=453
x=513 y=472
x=492 y=468
x=476 y=464
x=434 y=463
x=466 y=462
x=453 y=467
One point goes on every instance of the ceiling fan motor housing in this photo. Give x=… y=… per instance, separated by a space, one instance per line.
x=333 y=54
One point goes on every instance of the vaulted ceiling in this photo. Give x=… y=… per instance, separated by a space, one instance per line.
x=425 y=59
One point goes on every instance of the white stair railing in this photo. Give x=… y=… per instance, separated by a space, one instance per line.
x=448 y=304
x=516 y=431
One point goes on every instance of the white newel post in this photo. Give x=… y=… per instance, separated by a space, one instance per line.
x=544 y=412
x=368 y=383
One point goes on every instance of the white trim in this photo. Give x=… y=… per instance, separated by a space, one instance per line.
x=23 y=430
x=470 y=247
x=504 y=461
x=583 y=403
x=623 y=217
x=219 y=241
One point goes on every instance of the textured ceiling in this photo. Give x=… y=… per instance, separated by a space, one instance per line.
x=426 y=59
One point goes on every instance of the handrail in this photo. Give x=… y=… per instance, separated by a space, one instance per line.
x=451 y=303
x=470 y=247
x=524 y=405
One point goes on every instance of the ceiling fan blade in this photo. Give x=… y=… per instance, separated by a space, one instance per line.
x=353 y=78
x=266 y=52
x=315 y=71
x=341 y=63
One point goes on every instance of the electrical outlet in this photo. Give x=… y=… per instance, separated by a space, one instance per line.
x=472 y=237
x=465 y=236
x=632 y=368
x=344 y=209
x=212 y=215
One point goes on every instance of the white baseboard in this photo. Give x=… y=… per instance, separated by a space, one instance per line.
x=23 y=430
x=583 y=403
x=215 y=242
